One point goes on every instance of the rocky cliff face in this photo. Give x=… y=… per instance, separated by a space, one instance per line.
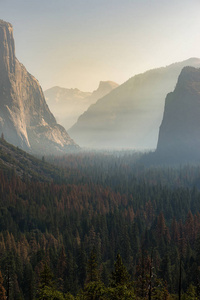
x=25 y=118
x=179 y=136
x=104 y=88
x=130 y=115
x=68 y=104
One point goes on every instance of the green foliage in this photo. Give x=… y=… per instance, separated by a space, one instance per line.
x=120 y=276
x=104 y=202
x=97 y=291
x=92 y=268
x=121 y=292
x=94 y=290
x=46 y=276
x=191 y=293
x=46 y=286
x=49 y=293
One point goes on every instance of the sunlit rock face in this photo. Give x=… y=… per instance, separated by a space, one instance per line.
x=179 y=135
x=130 y=115
x=25 y=119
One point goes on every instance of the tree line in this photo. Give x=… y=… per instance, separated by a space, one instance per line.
x=103 y=228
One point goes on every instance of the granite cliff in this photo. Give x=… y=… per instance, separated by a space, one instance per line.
x=179 y=135
x=25 y=119
x=130 y=115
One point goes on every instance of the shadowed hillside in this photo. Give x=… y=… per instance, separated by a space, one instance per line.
x=129 y=116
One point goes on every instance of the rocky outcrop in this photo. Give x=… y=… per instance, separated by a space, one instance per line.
x=68 y=104
x=179 y=136
x=104 y=88
x=25 y=118
x=130 y=115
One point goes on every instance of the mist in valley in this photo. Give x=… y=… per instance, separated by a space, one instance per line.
x=99 y=150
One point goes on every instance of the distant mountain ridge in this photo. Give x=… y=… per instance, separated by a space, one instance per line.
x=104 y=88
x=130 y=115
x=25 y=118
x=68 y=104
x=179 y=135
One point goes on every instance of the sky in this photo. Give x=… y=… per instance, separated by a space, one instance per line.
x=77 y=43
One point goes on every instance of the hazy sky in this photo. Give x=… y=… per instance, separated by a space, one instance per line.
x=77 y=43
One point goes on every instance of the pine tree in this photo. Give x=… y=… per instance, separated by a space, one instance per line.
x=105 y=275
x=28 y=282
x=165 y=269
x=71 y=280
x=120 y=276
x=9 y=267
x=92 y=270
x=81 y=262
x=2 y=289
x=46 y=276
x=61 y=267
x=45 y=281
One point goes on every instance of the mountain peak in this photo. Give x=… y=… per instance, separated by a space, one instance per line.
x=69 y=104
x=180 y=127
x=7 y=47
x=25 y=118
x=193 y=60
x=4 y=23
x=130 y=115
x=190 y=74
x=106 y=87
x=106 y=84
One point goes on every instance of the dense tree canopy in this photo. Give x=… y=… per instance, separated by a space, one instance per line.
x=103 y=226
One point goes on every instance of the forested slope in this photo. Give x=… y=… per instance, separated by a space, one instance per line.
x=70 y=229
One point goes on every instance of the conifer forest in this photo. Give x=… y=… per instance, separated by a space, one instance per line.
x=98 y=225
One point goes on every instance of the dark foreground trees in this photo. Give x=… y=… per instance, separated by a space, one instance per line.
x=150 y=216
